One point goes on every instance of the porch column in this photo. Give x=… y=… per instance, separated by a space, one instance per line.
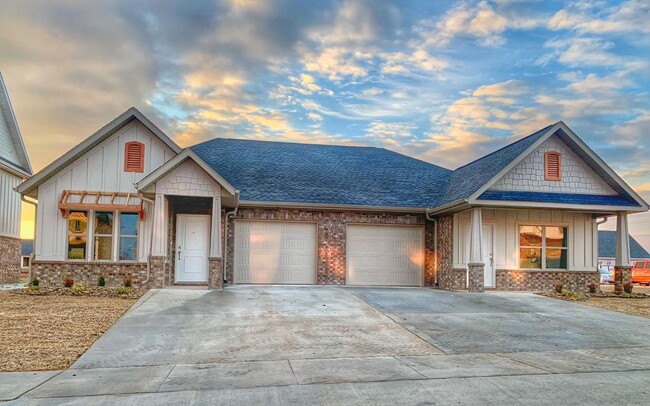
x=159 y=241
x=476 y=267
x=623 y=264
x=215 y=261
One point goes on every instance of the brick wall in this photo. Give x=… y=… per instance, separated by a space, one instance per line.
x=448 y=277
x=544 y=280
x=9 y=260
x=52 y=273
x=332 y=237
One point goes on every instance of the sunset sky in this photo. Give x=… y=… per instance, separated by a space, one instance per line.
x=444 y=81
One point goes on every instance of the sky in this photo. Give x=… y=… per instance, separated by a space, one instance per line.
x=443 y=81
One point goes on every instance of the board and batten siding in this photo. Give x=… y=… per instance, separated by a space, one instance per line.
x=10 y=205
x=100 y=169
x=7 y=147
x=582 y=242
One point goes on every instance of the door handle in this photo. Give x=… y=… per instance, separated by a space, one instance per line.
x=179 y=252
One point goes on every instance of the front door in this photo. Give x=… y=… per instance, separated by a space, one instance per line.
x=488 y=255
x=192 y=247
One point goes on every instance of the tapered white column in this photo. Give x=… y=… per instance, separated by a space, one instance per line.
x=215 y=229
x=476 y=237
x=622 y=240
x=159 y=243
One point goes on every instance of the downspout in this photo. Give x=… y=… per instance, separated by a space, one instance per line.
x=31 y=256
x=435 y=244
x=602 y=221
x=151 y=202
x=225 y=232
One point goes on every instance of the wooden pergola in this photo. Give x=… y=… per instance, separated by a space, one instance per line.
x=100 y=201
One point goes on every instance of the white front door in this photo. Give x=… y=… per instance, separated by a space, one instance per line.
x=192 y=247
x=488 y=255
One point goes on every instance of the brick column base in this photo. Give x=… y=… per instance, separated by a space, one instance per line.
x=215 y=276
x=157 y=274
x=622 y=275
x=476 y=277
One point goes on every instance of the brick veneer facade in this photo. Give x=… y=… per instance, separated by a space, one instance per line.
x=331 y=237
x=545 y=280
x=50 y=273
x=476 y=277
x=449 y=278
x=9 y=260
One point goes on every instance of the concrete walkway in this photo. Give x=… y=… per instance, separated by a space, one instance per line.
x=328 y=345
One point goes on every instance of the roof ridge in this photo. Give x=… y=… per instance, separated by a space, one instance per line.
x=283 y=142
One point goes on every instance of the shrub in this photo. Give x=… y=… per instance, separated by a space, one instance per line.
x=625 y=294
x=627 y=287
x=80 y=289
x=559 y=287
x=33 y=288
x=570 y=294
x=123 y=291
x=127 y=281
x=68 y=282
x=34 y=282
x=592 y=287
x=101 y=281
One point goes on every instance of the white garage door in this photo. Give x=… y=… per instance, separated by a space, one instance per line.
x=385 y=255
x=274 y=252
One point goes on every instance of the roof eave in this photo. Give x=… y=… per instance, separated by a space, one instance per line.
x=563 y=206
x=327 y=206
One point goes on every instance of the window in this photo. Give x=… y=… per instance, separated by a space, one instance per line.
x=647 y=265
x=553 y=166
x=77 y=234
x=103 y=244
x=543 y=247
x=638 y=265
x=128 y=236
x=24 y=262
x=134 y=157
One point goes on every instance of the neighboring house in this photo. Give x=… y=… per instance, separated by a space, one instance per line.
x=14 y=168
x=128 y=200
x=26 y=250
x=607 y=250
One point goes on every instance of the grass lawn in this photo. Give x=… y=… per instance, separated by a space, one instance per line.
x=51 y=331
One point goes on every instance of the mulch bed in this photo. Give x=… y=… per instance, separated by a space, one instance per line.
x=636 y=303
x=51 y=328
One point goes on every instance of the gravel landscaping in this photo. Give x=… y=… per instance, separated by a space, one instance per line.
x=637 y=303
x=49 y=329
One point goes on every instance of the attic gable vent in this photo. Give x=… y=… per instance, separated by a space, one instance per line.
x=134 y=157
x=553 y=166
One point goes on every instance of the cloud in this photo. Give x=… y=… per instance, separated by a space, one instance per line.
x=629 y=16
x=393 y=134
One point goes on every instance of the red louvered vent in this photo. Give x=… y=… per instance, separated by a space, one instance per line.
x=553 y=166
x=134 y=157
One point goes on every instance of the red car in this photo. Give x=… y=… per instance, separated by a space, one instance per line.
x=641 y=272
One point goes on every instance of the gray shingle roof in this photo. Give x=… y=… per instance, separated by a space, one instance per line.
x=607 y=246
x=469 y=178
x=325 y=174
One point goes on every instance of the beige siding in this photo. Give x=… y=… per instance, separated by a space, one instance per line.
x=577 y=177
x=101 y=169
x=7 y=147
x=582 y=243
x=9 y=205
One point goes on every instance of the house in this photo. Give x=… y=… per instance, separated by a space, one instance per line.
x=607 y=250
x=14 y=168
x=26 y=250
x=128 y=200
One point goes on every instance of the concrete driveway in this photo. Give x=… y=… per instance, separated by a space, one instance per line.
x=330 y=345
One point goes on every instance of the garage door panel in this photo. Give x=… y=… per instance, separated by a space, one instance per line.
x=382 y=255
x=274 y=252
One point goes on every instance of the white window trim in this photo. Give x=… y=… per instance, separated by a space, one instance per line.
x=117 y=239
x=543 y=247
x=67 y=236
x=92 y=245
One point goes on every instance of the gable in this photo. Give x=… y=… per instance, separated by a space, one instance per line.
x=13 y=155
x=188 y=179
x=102 y=168
x=7 y=148
x=576 y=176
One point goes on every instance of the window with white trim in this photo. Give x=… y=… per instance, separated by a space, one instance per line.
x=128 y=237
x=103 y=240
x=543 y=247
x=77 y=235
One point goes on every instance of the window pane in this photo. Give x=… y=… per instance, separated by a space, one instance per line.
x=104 y=222
x=556 y=259
x=530 y=236
x=103 y=248
x=128 y=248
x=556 y=237
x=128 y=223
x=76 y=247
x=639 y=265
x=530 y=258
x=77 y=222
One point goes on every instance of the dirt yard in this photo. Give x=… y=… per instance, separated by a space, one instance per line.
x=51 y=331
x=637 y=306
